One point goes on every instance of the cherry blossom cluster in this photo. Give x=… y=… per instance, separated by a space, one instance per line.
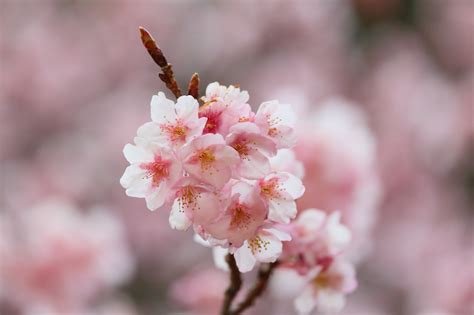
x=316 y=253
x=219 y=167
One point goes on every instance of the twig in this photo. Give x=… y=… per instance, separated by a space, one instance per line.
x=259 y=286
x=167 y=75
x=234 y=286
x=193 y=87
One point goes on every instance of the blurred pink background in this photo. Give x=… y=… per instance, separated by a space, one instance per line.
x=385 y=94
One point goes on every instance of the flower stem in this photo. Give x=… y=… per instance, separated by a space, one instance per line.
x=234 y=286
x=264 y=274
x=167 y=75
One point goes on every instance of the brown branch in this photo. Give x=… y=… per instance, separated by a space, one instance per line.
x=167 y=75
x=258 y=288
x=234 y=286
x=193 y=87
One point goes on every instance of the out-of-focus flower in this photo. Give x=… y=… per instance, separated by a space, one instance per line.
x=317 y=238
x=326 y=288
x=338 y=152
x=55 y=259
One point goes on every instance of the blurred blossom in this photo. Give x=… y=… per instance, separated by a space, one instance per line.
x=201 y=291
x=385 y=92
x=338 y=151
x=56 y=258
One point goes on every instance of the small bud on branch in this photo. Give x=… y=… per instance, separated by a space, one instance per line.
x=167 y=75
x=193 y=87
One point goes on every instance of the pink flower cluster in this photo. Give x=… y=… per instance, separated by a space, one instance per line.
x=217 y=165
x=316 y=252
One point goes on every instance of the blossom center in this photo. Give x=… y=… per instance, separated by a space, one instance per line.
x=176 y=132
x=322 y=280
x=213 y=121
x=240 y=218
x=188 y=196
x=270 y=188
x=157 y=170
x=257 y=244
x=242 y=148
x=206 y=158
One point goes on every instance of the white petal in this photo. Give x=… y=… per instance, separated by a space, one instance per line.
x=212 y=89
x=244 y=258
x=157 y=197
x=198 y=239
x=254 y=166
x=271 y=250
x=150 y=131
x=330 y=301
x=162 y=109
x=207 y=140
x=282 y=210
x=136 y=154
x=132 y=174
x=178 y=219
x=219 y=254
x=312 y=219
x=293 y=185
x=187 y=108
x=197 y=128
x=306 y=301
x=339 y=234
x=281 y=235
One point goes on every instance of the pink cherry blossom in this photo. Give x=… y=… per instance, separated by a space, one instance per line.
x=173 y=124
x=242 y=218
x=209 y=159
x=195 y=203
x=265 y=247
x=280 y=190
x=278 y=122
x=152 y=172
x=254 y=150
x=316 y=239
x=326 y=288
x=223 y=107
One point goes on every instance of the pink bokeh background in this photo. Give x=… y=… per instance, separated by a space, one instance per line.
x=384 y=90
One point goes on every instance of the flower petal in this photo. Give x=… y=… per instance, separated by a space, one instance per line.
x=136 y=154
x=270 y=249
x=306 y=301
x=187 y=108
x=162 y=109
x=244 y=258
x=178 y=219
x=282 y=211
